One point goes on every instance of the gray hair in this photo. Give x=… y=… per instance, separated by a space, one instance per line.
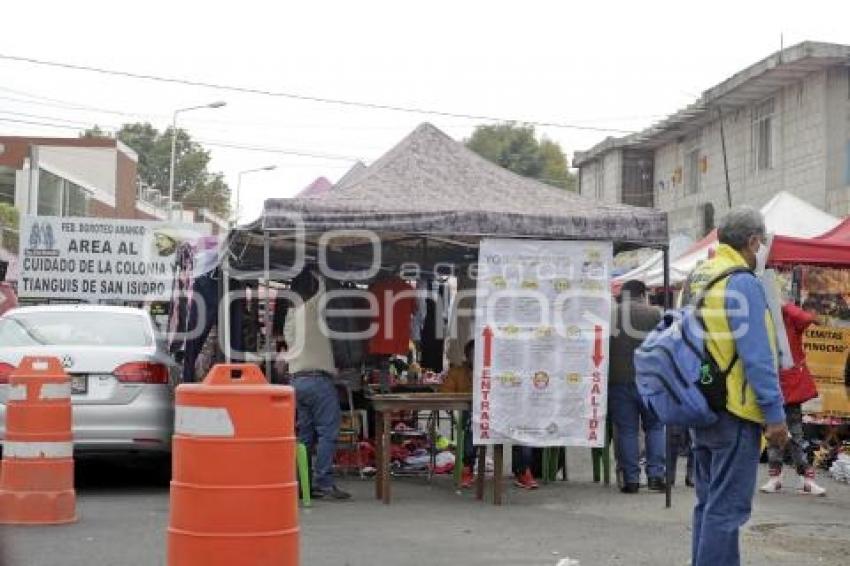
x=739 y=225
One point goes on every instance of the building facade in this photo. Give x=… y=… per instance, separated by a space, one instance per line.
x=785 y=125
x=86 y=176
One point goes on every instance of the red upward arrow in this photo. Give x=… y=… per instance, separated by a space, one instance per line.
x=488 y=346
x=597 y=346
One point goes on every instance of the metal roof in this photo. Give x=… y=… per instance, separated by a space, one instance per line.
x=746 y=87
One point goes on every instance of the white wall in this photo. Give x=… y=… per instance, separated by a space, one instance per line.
x=91 y=168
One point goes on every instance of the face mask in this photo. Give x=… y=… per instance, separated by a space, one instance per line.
x=761 y=258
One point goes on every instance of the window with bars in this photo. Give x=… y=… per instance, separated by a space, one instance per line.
x=762 y=135
x=692 y=171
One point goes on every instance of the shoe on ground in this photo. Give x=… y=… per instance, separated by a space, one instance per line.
x=467 y=478
x=656 y=484
x=334 y=493
x=526 y=480
x=807 y=485
x=774 y=484
x=630 y=488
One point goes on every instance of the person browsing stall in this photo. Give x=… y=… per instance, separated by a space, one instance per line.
x=311 y=362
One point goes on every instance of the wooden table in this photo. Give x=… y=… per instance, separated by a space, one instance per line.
x=385 y=404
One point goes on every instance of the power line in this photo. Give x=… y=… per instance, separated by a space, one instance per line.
x=214 y=143
x=298 y=96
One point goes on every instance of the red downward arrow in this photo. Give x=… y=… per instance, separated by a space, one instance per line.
x=597 y=346
x=488 y=346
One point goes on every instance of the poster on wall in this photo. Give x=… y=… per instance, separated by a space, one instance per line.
x=541 y=342
x=827 y=348
x=96 y=259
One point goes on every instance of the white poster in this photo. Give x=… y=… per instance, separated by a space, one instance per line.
x=541 y=342
x=101 y=259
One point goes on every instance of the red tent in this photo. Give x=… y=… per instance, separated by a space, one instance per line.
x=829 y=249
x=840 y=233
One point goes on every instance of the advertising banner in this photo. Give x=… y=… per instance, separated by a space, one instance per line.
x=541 y=342
x=95 y=259
x=827 y=292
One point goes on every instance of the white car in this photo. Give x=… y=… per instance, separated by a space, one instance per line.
x=121 y=375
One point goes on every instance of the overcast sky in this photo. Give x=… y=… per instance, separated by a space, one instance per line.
x=617 y=65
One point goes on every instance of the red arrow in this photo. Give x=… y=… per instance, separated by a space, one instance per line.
x=597 y=346
x=488 y=346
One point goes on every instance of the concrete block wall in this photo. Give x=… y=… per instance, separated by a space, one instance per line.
x=613 y=164
x=838 y=140
x=799 y=159
x=607 y=169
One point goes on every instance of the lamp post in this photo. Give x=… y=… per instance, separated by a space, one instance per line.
x=239 y=186
x=217 y=104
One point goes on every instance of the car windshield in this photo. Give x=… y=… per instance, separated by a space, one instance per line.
x=74 y=329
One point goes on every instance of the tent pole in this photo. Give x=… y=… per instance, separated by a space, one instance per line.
x=670 y=455
x=224 y=315
x=267 y=321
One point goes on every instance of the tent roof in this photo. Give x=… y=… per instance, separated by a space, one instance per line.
x=432 y=185
x=787 y=216
x=841 y=232
x=316 y=189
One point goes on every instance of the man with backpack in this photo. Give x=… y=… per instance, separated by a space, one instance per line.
x=740 y=338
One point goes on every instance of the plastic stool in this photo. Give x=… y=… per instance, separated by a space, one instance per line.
x=303 y=463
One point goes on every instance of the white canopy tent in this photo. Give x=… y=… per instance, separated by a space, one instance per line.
x=784 y=215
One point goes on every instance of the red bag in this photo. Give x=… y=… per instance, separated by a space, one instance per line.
x=797 y=385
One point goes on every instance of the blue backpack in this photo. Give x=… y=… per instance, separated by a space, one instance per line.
x=678 y=380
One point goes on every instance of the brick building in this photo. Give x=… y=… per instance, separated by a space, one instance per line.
x=786 y=124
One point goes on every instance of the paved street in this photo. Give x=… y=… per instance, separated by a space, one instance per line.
x=124 y=511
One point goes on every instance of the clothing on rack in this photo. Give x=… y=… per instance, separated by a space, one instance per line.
x=433 y=331
x=396 y=303
x=461 y=318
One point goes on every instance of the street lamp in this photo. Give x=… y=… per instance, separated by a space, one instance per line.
x=217 y=104
x=239 y=185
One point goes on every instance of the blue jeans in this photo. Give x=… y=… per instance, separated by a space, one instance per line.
x=627 y=414
x=318 y=422
x=727 y=458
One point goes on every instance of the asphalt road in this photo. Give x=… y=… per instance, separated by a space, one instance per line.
x=123 y=514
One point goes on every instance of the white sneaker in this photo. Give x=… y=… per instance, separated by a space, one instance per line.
x=807 y=486
x=773 y=485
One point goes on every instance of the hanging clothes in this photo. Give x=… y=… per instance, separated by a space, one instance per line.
x=433 y=331
x=461 y=318
x=417 y=321
x=396 y=304
x=206 y=301
x=181 y=297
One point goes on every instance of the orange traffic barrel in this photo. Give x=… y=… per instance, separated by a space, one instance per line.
x=37 y=474
x=234 y=494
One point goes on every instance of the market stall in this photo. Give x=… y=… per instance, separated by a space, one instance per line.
x=426 y=207
x=815 y=273
x=784 y=215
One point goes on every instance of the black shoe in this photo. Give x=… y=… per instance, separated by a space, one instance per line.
x=332 y=493
x=657 y=484
x=630 y=488
x=689 y=482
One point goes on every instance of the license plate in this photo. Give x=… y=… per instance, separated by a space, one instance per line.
x=79 y=384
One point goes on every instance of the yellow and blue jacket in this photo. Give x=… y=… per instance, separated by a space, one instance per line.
x=737 y=319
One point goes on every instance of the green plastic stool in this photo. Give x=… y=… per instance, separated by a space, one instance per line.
x=303 y=462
